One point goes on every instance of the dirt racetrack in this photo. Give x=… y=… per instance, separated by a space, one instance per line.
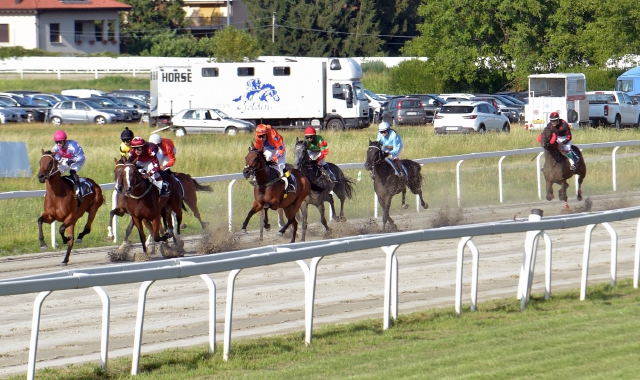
x=270 y=300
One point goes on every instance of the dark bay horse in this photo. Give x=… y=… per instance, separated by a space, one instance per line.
x=188 y=187
x=269 y=191
x=144 y=203
x=320 y=187
x=61 y=205
x=386 y=183
x=557 y=168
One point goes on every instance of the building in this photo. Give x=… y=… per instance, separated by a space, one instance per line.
x=62 y=26
x=207 y=16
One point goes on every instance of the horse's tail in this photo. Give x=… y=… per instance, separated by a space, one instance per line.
x=348 y=187
x=200 y=187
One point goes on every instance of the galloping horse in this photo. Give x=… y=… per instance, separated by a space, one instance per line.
x=60 y=204
x=145 y=205
x=386 y=183
x=188 y=187
x=320 y=187
x=270 y=193
x=557 y=168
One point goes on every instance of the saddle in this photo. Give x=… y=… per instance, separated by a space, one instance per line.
x=84 y=187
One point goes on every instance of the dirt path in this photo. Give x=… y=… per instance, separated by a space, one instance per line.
x=270 y=300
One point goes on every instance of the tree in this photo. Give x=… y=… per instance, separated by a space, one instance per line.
x=146 y=19
x=233 y=45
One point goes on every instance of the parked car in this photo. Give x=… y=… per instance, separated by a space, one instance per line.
x=207 y=120
x=470 y=116
x=142 y=107
x=403 y=111
x=514 y=112
x=82 y=92
x=431 y=104
x=22 y=116
x=143 y=95
x=82 y=111
x=51 y=99
x=9 y=116
x=34 y=112
x=113 y=103
x=375 y=105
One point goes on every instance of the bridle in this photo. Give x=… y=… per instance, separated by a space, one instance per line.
x=379 y=157
x=250 y=170
x=54 y=168
x=129 y=165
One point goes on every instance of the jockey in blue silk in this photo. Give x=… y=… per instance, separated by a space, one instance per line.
x=70 y=157
x=391 y=146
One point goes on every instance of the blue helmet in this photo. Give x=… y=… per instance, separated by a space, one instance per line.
x=383 y=126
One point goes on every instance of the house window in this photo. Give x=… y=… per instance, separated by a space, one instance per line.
x=209 y=71
x=281 y=71
x=78 y=33
x=99 y=25
x=54 y=33
x=245 y=71
x=4 y=32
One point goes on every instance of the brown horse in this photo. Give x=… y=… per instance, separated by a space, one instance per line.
x=61 y=205
x=188 y=187
x=386 y=183
x=557 y=168
x=269 y=190
x=144 y=203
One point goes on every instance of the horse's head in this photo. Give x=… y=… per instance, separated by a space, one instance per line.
x=300 y=154
x=374 y=155
x=545 y=139
x=254 y=162
x=48 y=166
x=127 y=176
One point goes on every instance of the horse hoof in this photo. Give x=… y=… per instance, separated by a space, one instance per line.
x=205 y=225
x=78 y=241
x=405 y=206
x=43 y=248
x=244 y=231
x=63 y=264
x=183 y=226
x=267 y=226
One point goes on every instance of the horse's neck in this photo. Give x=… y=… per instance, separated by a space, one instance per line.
x=56 y=184
x=266 y=175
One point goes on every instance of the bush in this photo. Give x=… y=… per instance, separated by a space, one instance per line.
x=377 y=67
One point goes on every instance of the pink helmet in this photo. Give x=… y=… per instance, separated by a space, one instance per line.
x=59 y=136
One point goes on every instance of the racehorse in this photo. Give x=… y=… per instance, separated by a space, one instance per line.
x=270 y=193
x=144 y=204
x=188 y=187
x=60 y=204
x=320 y=187
x=386 y=183
x=557 y=168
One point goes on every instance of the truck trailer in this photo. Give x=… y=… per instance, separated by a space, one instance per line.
x=564 y=93
x=284 y=92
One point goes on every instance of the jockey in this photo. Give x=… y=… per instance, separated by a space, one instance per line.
x=318 y=150
x=392 y=146
x=70 y=157
x=126 y=136
x=166 y=152
x=146 y=153
x=562 y=130
x=273 y=144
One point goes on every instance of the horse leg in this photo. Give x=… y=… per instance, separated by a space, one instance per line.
x=291 y=212
x=255 y=208
x=323 y=220
x=386 y=218
x=43 y=219
x=138 y=223
x=304 y=209
x=191 y=199
x=329 y=198
x=128 y=232
x=562 y=194
x=92 y=212
x=265 y=220
x=70 y=231
x=549 y=190
x=579 y=187
x=404 y=194
x=280 y=217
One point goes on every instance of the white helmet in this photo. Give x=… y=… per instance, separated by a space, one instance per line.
x=155 y=138
x=383 y=126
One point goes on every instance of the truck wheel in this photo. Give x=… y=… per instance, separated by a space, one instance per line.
x=617 y=124
x=572 y=115
x=180 y=132
x=335 y=125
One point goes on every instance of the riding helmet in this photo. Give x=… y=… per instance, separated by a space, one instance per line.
x=554 y=116
x=155 y=138
x=310 y=131
x=383 y=126
x=127 y=134
x=137 y=142
x=261 y=129
x=59 y=136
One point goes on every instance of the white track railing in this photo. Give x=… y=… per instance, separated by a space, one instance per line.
x=359 y=166
x=234 y=262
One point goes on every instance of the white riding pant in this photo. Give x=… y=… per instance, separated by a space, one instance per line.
x=270 y=153
x=147 y=167
x=315 y=155
x=162 y=159
x=63 y=167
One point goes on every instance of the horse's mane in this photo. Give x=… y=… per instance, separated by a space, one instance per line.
x=47 y=152
x=375 y=143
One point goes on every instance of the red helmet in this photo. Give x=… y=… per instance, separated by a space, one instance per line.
x=59 y=136
x=261 y=129
x=554 y=116
x=137 y=142
x=310 y=131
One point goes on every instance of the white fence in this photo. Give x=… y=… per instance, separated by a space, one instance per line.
x=234 y=262
x=359 y=166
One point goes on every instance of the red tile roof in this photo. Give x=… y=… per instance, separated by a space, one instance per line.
x=51 y=5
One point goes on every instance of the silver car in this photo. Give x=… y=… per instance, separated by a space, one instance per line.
x=7 y=116
x=83 y=112
x=207 y=120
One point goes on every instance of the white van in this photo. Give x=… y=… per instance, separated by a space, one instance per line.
x=82 y=93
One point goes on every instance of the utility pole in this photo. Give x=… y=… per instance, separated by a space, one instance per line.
x=273 y=28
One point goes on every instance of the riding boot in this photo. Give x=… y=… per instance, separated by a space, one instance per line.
x=289 y=187
x=393 y=165
x=332 y=177
x=76 y=185
x=571 y=156
x=164 y=189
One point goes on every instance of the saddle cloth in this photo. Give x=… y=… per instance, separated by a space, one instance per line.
x=85 y=186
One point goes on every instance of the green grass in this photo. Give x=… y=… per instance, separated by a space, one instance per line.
x=563 y=338
x=51 y=85
x=202 y=155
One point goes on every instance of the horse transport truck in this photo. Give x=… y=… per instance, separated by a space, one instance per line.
x=284 y=92
x=564 y=93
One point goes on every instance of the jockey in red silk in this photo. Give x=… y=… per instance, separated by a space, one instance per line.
x=562 y=132
x=147 y=155
x=318 y=150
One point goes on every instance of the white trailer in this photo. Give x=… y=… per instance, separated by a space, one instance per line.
x=281 y=91
x=560 y=92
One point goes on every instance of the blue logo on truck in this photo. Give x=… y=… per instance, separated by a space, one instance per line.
x=257 y=95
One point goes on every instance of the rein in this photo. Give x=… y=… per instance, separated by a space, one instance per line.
x=54 y=168
x=378 y=148
x=254 y=171
x=137 y=184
